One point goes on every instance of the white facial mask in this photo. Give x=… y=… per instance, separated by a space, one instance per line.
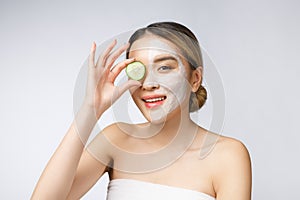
x=171 y=83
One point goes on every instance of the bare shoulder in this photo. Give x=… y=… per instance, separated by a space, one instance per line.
x=117 y=132
x=111 y=134
x=107 y=140
x=230 y=148
x=232 y=168
x=230 y=154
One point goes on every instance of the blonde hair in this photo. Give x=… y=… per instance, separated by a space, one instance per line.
x=187 y=43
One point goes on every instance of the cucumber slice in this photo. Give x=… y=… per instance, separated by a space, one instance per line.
x=136 y=70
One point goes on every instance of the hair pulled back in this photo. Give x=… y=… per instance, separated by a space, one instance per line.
x=186 y=42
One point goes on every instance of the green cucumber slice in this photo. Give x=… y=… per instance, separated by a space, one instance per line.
x=136 y=70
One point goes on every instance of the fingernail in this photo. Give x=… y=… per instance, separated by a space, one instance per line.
x=93 y=47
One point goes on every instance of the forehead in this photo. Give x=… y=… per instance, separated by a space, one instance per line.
x=152 y=46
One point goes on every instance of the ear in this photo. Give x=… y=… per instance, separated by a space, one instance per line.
x=196 y=78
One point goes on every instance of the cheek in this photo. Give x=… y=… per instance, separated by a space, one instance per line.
x=171 y=81
x=176 y=86
x=134 y=95
x=177 y=83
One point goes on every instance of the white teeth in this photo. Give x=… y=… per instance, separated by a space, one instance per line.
x=155 y=99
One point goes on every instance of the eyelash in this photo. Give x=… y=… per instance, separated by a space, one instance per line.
x=163 y=68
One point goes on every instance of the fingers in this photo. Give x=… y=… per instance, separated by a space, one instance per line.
x=129 y=84
x=115 y=71
x=107 y=58
x=92 y=55
x=113 y=56
x=102 y=59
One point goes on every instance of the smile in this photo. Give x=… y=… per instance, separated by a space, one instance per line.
x=153 y=101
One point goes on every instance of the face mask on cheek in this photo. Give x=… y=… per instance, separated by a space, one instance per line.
x=176 y=85
x=173 y=84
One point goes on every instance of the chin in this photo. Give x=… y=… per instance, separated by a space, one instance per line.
x=158 y=121
x=160 y=116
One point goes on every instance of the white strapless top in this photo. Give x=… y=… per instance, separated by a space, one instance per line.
x=130 y=189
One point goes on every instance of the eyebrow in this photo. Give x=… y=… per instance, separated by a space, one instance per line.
x=163 y=58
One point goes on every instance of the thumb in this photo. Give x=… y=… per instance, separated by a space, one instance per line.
x=129 y=84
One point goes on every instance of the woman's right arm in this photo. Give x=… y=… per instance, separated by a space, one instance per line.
x=57 y=178
x=72 y=166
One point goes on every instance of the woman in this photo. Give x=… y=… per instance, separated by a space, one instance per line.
x=154 y=160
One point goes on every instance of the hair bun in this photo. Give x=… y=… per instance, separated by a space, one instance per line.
x=198 y=99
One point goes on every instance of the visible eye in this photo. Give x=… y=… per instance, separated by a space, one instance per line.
x=164 y=68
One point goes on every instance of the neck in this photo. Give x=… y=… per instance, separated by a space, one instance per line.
x=178 y=125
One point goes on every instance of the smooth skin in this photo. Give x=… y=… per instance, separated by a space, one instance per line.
x=224 y=174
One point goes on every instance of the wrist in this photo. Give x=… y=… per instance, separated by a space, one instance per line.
x=91 y=109
x=85 y=121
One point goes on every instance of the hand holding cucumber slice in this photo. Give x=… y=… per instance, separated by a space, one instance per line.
x=136 y=70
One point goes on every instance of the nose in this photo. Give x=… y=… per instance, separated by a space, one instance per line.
x=150 y=86
x=150 y=83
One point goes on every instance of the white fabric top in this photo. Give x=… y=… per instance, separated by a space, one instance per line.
x=130 y=189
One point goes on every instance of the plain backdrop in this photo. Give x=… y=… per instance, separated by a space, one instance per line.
x=254 y=44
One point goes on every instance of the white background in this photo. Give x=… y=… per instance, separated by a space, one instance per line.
x=254 y=44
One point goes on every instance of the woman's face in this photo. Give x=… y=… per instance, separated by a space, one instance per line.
x=165 y=86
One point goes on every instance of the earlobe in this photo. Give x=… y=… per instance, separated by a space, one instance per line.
x=196 y=78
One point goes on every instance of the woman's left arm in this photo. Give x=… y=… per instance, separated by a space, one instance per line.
x=233 y=175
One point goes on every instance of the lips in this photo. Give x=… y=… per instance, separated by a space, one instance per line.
x=154 y=100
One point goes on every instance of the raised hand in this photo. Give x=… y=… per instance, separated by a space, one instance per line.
x=101 y=92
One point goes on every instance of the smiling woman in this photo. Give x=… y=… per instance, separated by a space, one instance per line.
x=157 y=159
x=162 y=70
